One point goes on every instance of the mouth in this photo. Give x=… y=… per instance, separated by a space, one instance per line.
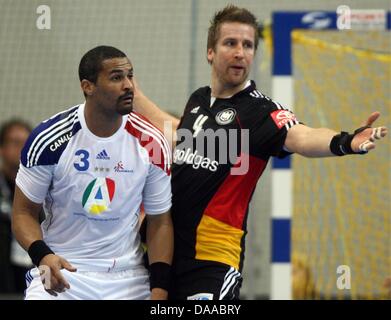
x=127 y=98
x=235 y=67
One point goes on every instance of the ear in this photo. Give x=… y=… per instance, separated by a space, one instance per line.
x=88 y=87
x=210 y=55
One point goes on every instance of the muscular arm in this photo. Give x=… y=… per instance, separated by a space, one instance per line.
x=160 y=243
x=309 y=142
x=25 y=219
x=161 y=119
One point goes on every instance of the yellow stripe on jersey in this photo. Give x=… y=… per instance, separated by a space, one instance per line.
x=218 y=241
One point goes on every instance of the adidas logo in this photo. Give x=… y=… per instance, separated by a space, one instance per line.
x=194 y=110
x=103 y=155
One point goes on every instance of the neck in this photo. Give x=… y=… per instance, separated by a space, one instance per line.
x=220 y=90
x=100 y=123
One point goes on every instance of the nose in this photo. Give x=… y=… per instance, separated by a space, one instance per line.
x=128 y=84
x=239 y=52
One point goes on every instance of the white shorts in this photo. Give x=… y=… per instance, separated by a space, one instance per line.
x=130 y=284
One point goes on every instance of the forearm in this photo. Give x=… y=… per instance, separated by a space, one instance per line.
x=160 y=242
x=25 y=220
x=26 y=229
x=310 y=142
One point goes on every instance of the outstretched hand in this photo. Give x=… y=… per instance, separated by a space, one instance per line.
x=365 y=140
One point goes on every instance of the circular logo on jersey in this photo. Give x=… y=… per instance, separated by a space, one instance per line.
x=226 y=116
x=98 y=195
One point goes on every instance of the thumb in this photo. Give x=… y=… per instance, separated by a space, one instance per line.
x=66 y=265
x=372 y=118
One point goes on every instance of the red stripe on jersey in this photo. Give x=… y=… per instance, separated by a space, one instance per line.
x=154 y=147
x=155 y=133
x=231 y=200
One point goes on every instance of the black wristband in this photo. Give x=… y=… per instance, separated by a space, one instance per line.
x=160 y=275
x=37 y=250
x=340 y=144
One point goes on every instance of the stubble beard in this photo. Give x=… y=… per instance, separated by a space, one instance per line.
x=124 y=110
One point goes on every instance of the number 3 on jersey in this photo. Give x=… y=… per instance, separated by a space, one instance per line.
x=82 y=164
x=197 y=126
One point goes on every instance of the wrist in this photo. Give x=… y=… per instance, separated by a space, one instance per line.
x=38 y=250
x=341 y=144
x=160 y=275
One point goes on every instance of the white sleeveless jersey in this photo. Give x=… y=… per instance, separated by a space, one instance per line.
x=92 y=188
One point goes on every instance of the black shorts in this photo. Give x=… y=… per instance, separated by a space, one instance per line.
x=205 y=280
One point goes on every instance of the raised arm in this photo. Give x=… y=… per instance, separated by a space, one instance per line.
x=161 y=119
x=323 y=142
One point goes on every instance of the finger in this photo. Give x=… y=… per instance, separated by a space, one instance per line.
x=52 y=286
x=372 y=118
x=375 y=134
x=378 y=133
x=48 y=281
x=51 y=292
x=57 y=285
x=366 y=146
x=61 y=280
x=60 y=289
x=66 y=265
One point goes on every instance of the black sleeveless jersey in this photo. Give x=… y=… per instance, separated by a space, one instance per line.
x=220 y=155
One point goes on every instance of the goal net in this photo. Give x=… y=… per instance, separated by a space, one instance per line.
x=341 y=241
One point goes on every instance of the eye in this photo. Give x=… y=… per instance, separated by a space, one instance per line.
x=130 y=76
x=116 y=78
x=248 y=45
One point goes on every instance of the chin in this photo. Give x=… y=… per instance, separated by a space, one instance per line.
x=124 y=110
x=237 y=83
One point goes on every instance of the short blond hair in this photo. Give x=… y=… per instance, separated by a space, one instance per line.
x=231 y=13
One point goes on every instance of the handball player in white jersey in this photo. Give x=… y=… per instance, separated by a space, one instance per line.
x=91 y=167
